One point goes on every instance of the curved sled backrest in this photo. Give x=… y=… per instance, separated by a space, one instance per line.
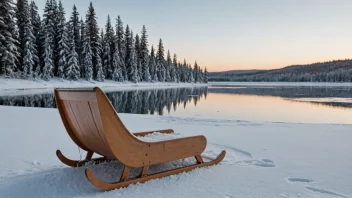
x=79 y=111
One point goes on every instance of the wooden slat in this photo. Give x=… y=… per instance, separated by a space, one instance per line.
x=77 y=96
x=77 y=132
x=87 y=126
x=100 y=130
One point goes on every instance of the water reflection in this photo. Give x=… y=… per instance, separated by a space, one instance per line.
x=305 y=94
x=258 y=104
x=137 y=101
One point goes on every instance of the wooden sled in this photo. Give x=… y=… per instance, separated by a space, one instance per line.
x=93 y=124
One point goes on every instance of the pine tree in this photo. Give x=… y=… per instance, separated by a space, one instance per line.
x=160 y=68
x=57 y=36
x=168 y=67
x=22 y=17
x=75 y=28
x=37 y=33
x=29 y=50
x=190 y=74
x=109 y=48
x=132 y=60
x=117 y=66
x=128 y=51
x=80 y=52
x=105 y=58
x=87 y=52
x=100 y=73
x=63 y=42
x=196 y=72
x=144 y=56
x=92 y=31
x=174 y=74
x=48 y=62
x=138 y=51
x=205 y=75
x=49 y=33
x=120 y=39
x=72 y=71
x=152 y=66
x=8 y=39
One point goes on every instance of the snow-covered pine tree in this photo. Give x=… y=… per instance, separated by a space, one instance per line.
x=75 y=26
x=72 y=71
x=205 y=75
x=160 y=60
x=117 y=66
x=190 y=73
x=49 y=30
x=105 y=58
x=144 y=56
x=37 y=33
x=128 y=51
x=63 y=48
x=109 y=48
x=29 y=48
x=8 y=39
x=92 y=31
x=132 y=61
x=22 y=19
x=57 y=38
x=48 y=61
x=201 y=75
x=185 y=73
x=87 y=52
x=180 y=72
x=168 y=67
x=138 y=51
x=80 y=53
x=196 y=72
x=120 y=39
x=174 y=74
x=152 y=66
x=100 y=73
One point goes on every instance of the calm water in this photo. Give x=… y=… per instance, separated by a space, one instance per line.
x=249 y=103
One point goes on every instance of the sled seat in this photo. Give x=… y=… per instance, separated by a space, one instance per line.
x=94 y=126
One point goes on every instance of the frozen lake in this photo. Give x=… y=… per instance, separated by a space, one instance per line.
x=253 y=102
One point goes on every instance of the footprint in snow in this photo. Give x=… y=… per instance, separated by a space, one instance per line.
x=245 y=158
x=299 y=180
x=227 y=196
x=323 y=191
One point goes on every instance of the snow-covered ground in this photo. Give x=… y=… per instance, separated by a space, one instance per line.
x=21 y=86
x=287 y=84
x=263 y=159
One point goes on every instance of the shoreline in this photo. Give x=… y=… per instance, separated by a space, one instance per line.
x=11 y=87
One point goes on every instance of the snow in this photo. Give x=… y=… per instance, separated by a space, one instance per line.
x=332 y=99
x=22 y=86
x=263 y=159
x=296 y=84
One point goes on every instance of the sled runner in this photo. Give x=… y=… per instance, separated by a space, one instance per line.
x=93 y=124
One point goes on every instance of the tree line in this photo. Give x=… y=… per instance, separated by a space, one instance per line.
x=138 y=102
x=50 y=46
x=330 y=71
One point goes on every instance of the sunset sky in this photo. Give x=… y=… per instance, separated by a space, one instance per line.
x=236 y=34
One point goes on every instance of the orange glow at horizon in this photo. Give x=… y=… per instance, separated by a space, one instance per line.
x=214 y=67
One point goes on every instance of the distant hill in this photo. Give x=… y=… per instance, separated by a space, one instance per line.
x=331 y=71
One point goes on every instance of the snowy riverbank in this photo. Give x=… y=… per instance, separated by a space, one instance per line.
x=20 y=86
x=263 y=159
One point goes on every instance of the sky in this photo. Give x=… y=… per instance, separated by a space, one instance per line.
x=236 y=34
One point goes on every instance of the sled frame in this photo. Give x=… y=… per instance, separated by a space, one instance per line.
x=94 y=126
